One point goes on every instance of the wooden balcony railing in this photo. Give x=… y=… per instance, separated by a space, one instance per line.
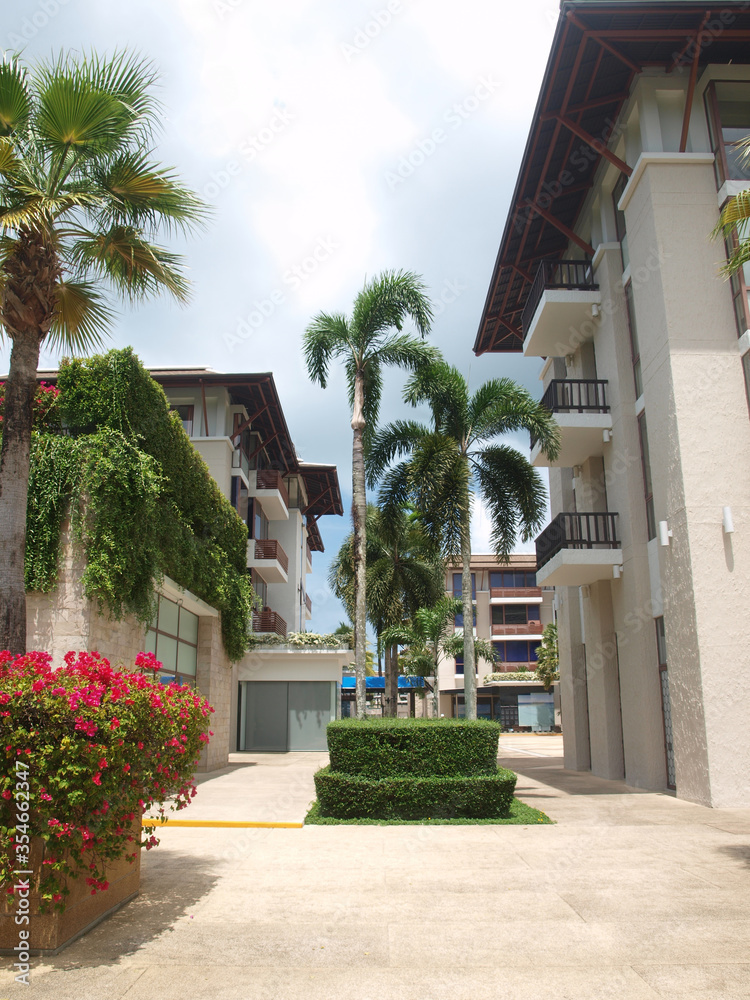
x=529 y=628
x=557 y=274
x=271 y=479
x=515 y=592
x=269 y=548
x=309 y=552
x=575 y=395
x=576 y=531
x=308 y=603
x=268 y=621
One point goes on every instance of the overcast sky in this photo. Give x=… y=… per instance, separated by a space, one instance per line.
x=334 y=140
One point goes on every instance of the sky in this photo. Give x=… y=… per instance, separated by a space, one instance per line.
x=333 y=140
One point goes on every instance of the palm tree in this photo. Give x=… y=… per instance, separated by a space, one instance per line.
x=734 y=223
x=404 y=571
x=458 y=458
x=80 y=203
x=366 y=343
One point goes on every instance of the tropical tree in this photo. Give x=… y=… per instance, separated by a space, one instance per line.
x=445 y=466
x=734 y=223
x=425 y=637
x=81 y=202
x=404 y=571
x=547 y=657
x=366 y=343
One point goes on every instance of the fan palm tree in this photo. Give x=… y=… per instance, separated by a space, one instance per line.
x=444 y=466
x=366 y=343
x=734 y=223
x=404 y=572
x=80 y=204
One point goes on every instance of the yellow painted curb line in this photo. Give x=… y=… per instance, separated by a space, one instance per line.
x=155 y=821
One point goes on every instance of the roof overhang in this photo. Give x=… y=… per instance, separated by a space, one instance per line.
x=598 y=49
x=323 y=497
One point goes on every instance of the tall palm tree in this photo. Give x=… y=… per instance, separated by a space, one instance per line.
x=80 y=204
x=366 y=343
x=404 y=572
x=459 y=457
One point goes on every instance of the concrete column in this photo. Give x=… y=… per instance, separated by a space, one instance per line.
x=573 y=691
x=603 y=683
x=214 y=679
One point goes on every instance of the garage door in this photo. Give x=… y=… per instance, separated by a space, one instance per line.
x=276 y=716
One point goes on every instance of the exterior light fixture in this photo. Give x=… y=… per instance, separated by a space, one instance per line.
x=664 y=534
x=727 y=521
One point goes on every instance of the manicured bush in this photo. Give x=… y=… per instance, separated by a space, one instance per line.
x=383 y=748
x=348 y=796
x=83 y=750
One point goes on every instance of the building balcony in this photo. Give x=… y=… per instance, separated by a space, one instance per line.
x=578 y=549
x=308 y=608
x=269 y=622
x=308 y=557
x=266 y=557
x=582 y=413
x=558 y=311
x=267 y=485
x=527 y=629
x=517 y=594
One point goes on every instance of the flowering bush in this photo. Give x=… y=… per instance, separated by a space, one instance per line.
x=46 y=405
x=302 y=640
x=94 y=747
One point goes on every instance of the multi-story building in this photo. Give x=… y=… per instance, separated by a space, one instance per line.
x=606 y=271
x=511 y=611
x=277 y=697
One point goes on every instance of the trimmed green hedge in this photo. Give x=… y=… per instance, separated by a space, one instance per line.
x=347 y=796
x=418 y=748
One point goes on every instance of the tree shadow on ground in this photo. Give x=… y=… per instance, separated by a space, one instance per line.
x=737 y=852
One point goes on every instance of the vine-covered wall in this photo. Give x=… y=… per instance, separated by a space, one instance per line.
x=141 y=500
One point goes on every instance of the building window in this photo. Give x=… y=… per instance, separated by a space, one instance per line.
x=260 y=587
x=512 y=578
x=185 y=413
x=635 y=351
x=728 y=109
x=739 y=283
x=460 y=664
x=622 y=234
x=258 y=523
x=646 y=466
x=515 y=614
x=173 y=639
x=517 y=651
x=457 y=585
x=666 y=704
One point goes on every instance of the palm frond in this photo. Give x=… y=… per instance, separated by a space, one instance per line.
x=326 y=337
x=135 y=267
x=9 y=162
x=444 y=388
x=15 y=100
x=386 y=302
x=514 y=494
x=397 y=439
x=82 y=318
x=407 y=352
x=732 y=226
x=501 y=406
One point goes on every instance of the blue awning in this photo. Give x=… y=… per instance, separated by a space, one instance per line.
x=378 y=683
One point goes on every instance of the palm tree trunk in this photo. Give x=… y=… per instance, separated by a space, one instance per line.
x=391 y=682
x=359 y=511
x=470 y=677
x=14 y=479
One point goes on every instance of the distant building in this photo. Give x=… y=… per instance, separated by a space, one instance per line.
x=511 y=611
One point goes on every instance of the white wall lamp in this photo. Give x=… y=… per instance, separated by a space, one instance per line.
x=616 y=571
x=727 y=521
x=606 y=436
x=664 y=533
x=595 y=310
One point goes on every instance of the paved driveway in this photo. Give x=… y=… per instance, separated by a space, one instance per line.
x=630 y=895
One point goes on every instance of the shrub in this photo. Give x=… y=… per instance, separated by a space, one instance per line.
x=85 y=749
x=348 y=796
x=383 y=748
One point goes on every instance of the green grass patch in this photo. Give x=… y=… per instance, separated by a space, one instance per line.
x=519 y=815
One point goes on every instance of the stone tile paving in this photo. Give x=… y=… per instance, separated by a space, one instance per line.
x=631 y=895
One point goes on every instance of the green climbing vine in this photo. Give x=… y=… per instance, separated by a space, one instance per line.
x=141 y=500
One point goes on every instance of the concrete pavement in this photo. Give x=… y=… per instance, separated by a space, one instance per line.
x=631 y=895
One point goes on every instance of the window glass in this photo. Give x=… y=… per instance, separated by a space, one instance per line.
x=187 y=659
x=497 y=614
x=457 y=585
x=661 y=641
x=517 y=652
x=185 y=413
x=515 y=614
x=634 y=347
x=499 y=648
x=733 y=103
x=646 y=466
x=168 y=614
x=188 y=626
x=535 y=612
x=166 y=648
x=459 y=664
x=534 y=651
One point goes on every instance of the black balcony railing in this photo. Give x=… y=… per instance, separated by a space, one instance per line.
x=575 y=395
x=560 y=274
x=576 y=531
